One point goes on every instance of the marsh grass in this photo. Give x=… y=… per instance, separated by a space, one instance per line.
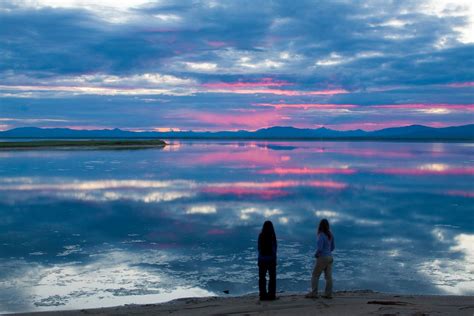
x=119 y=144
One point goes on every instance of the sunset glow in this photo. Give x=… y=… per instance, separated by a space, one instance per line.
x=212 y=66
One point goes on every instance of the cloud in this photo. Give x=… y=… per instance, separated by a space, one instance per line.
x=336 y=64
x=239 y=120
x=102 y=84
x=264 y=82
x=201 y=67
x=279 y=92
x=307 y=105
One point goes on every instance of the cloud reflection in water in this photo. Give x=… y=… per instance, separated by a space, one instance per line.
x=150 y=225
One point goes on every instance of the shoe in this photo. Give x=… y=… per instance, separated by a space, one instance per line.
x=311 y=295
x=271 y=298
x=264 y=298
x=328 y=297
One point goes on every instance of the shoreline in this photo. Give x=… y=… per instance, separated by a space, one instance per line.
x=343 y=303
x=273 y=139
x=83 y=144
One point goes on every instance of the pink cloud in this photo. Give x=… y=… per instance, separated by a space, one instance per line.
x=260 y=91
x=306 y=171
x=265 y=86
x=239 y=120
x=281 y=92
x=307 y=105
x=426 y=106
x=461 y=84
x=325 y=92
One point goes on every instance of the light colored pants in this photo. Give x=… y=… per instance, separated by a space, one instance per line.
x=322 y=264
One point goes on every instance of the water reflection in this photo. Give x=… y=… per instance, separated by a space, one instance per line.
x=452 y=275
x=95 y=228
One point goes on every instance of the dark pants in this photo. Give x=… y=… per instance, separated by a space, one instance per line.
x=263 y=267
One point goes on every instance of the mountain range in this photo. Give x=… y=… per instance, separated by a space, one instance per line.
x=412 y=132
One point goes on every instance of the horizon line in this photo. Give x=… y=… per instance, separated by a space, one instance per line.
x=171 y=130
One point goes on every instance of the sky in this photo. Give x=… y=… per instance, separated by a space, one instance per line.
x=230 y=65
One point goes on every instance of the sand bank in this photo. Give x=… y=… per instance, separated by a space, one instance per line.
x=343 y=303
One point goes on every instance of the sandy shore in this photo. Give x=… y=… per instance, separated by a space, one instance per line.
x=343 y=303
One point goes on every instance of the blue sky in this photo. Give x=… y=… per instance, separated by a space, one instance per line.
x=227 y=65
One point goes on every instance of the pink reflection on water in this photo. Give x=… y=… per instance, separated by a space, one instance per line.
x=327 y=184
x=216 y=44
x=267 y=190
x=252 y=187
x=216 y=231
x=303 y=171
x=368 y=152
x=250 y=157
x=163 y=246
x=469 y=194
x=265 y=194
x=163 y=235
x=423 y=172
x=288 y=184
x=461 y=84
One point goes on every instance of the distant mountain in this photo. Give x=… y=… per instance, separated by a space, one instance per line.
x=420 y=131
x=292 y=132
x=413 y=132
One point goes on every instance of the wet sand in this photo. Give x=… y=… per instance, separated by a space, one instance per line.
x=343 y=303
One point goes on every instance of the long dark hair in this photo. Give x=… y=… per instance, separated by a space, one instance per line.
x=324 y=228
x=267 y=238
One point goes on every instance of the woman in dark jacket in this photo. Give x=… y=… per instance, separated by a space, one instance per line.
x=267 y=256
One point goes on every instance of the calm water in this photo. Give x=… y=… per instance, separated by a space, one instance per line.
x=89 y=228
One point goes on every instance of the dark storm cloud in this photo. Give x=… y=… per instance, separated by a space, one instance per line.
x=58 y=42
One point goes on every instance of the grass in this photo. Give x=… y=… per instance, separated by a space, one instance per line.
x=84 y=143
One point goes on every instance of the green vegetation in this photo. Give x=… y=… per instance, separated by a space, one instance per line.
x=118 y=144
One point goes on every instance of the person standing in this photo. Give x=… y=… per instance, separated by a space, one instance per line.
x=267 y=261
x=324 y=260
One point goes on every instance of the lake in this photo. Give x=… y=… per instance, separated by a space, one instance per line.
x=90 y=228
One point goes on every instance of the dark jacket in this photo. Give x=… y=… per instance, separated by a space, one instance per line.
x=267 y=249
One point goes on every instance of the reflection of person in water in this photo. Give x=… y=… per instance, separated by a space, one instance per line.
x=267 y=251
x=324 y=260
